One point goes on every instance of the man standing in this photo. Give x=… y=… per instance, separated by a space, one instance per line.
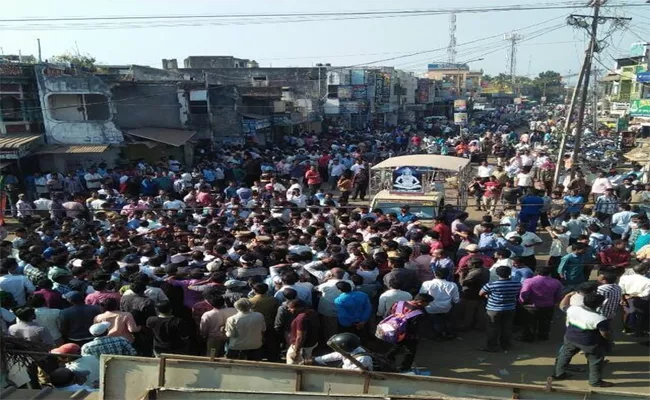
x=268 y=307
x=586 y=331
x=213 y=324
x=539 y=295
x=245 y=331
x=572 y=268
x=410 y=342
x=636 y=292
x=471 y=280
x=104 y=344
x=502 y=301
x=77 y=319
x=445 y=295
x=606 y=205
x=305 y=330
x=353 y=309
x=170 y=334
x=528 y=240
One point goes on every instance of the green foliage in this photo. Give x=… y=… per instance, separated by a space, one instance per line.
x=78 y=60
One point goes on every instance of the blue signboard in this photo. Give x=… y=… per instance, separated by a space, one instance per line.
x=643 y=77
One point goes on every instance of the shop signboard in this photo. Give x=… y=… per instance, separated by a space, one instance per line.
x=643 y=76
x=637 y=49
x=640 y=108
x=358 y=77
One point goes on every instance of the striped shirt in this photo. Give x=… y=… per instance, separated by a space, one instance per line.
x=613 y=294
x=502 y=295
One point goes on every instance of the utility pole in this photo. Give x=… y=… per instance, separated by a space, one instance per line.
x=40 y=60
x=595 y=101
x=567 y=122
x=579 y=20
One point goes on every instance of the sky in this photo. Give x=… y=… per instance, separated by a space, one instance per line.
x=341 y=43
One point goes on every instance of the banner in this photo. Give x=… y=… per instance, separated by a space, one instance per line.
x=385 y=93
x=640 y=108
x=407 y=180
x=423 y=91
x=345 y=92
x=460 y=118
x=460 y=105
x=379 y=89
x=359 y=92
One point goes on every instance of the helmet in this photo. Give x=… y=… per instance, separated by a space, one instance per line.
x=346 y=342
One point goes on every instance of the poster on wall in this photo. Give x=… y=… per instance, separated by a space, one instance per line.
x=345 y=92
x=407 y=180
x=358 y=77
x=423 y=91
x=460 y=106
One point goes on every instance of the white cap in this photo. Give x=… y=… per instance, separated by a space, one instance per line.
x=99 y=328
x=214 y=266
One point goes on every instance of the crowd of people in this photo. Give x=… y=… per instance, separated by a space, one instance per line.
x=256 y=253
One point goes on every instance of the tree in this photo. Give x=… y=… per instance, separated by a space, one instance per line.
x=549 y=84
x=77 y=60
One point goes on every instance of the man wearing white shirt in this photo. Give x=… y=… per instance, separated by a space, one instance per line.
x=528 y=240
x=485 y=170
x=18 y=285
x=357 y=167
x=635 y=289
x=93 y=179
x=390 y=297
x=621 y=220
x=445 y=294
x=336 y=169
x=329 y=292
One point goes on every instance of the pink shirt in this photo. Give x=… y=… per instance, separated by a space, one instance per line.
x=122 y=324
x=95 y=298
x=600 y=184
x=213 y=320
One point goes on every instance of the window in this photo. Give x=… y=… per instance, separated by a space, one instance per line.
x=11 y=108
x=199 y=102
x=79 y=107
x=260 y=81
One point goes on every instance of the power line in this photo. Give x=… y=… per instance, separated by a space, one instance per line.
x=107 y=22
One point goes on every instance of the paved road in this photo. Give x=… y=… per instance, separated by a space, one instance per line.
x=629 y=366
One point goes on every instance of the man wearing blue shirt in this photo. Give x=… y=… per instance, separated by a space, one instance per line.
x=405 y=217
x=574 y=202
x=572 y=267
x=531 y=206
x=502 y=298
x=353 y=309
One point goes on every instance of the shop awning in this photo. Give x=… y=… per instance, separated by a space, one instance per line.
x=72 y=149
x=611 y=78
x=13 y=147
x=172 y=137
x=5 y=164
x=255 y=116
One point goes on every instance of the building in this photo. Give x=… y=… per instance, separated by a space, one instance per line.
x=207 y=62
x=456 y=78
x=21 y=119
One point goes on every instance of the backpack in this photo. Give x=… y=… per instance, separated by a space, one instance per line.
x=392 y=329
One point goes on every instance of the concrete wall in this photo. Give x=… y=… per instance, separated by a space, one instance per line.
x=131 y=377
x=53 y=81
x=141 y=105
x=218 y=62
x=226 y=107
